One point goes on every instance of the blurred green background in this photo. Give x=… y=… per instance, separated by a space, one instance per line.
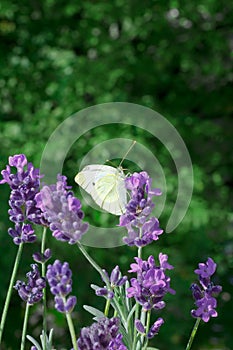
x=58 y=57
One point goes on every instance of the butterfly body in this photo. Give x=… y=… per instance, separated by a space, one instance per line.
x=106 y=185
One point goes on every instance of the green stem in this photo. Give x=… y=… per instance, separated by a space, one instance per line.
x=194 y=331
x=10 y=289
x=148 y=321
x=107 y=306
x=137 y=304
x=94 y=264
x=140 y=252
x=43 y=272
x=72 y=331
x=147 y=328
x=104 y=278
x=143 y=320
x=25 y=326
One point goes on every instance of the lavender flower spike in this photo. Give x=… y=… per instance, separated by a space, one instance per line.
x=32 y=291
x=142 y=230
x=24 y=184
x=60 y=282
x=151 y=283
x=62 y=211
x=204 y=293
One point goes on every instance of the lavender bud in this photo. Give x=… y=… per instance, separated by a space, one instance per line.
x=139 y=326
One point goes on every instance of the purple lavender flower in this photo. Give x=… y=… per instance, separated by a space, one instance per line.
x=117 y=343
x=60 y=282
x=24 y=186
x=151 y=283
x=204 y=294
x=139 y=326
x=32 y=291
x=62 y=211
x=22 y=233
x=155 y=328
x=102 y=335
x=142 y=230
x=42 y=258
x=116 y=280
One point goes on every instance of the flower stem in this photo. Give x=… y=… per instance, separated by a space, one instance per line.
x=194 y=331
x=147 y=327
x=137 y=304
x=25 y=326
x=140 y=252
x=148 y=321
x=94 y=264
x=107 y=306
x=100 y=271
x=10 y=289
x=72 y=331
x=43 y=272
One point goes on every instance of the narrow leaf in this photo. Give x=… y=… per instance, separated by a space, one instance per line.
x=93 y=311
x=34 y=342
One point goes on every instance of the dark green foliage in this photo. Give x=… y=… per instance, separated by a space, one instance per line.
x=58 y=57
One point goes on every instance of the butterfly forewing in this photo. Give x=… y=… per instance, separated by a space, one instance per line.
x=106 y=186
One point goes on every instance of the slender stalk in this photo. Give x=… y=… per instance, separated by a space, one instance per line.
x=94 y=264
x=25 y=322
x=72 y=331
x=137 y=304
x=43 y=272
x=143 y=320
x=107 y=306
x=100 y=271
x=10 y=289
x=140 y=252
x=148 y=321
x=193 y=333
x=147 y=328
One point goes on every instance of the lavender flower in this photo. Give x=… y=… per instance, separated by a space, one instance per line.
x=22 y=233
x=142 y=230
x=151 y=283
x=204 y=294
x=101 y=335
x=62 y=211
x=32 y=291
x=60 y=282
x=116 y=280
x=42 y=257
x=139 y=326
x=154 y=330
x=24 y=186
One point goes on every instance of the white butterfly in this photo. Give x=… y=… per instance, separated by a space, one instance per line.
x=106 y=185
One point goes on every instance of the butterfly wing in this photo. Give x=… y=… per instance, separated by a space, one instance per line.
x=106 y=186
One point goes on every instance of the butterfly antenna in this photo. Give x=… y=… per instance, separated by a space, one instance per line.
x=122 y=160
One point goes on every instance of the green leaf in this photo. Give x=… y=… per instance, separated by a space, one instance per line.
x=131 y=313
x=93 y=311
x=34 y=342
x=94 y=286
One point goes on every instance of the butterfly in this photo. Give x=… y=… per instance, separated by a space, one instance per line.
x=106 y=185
